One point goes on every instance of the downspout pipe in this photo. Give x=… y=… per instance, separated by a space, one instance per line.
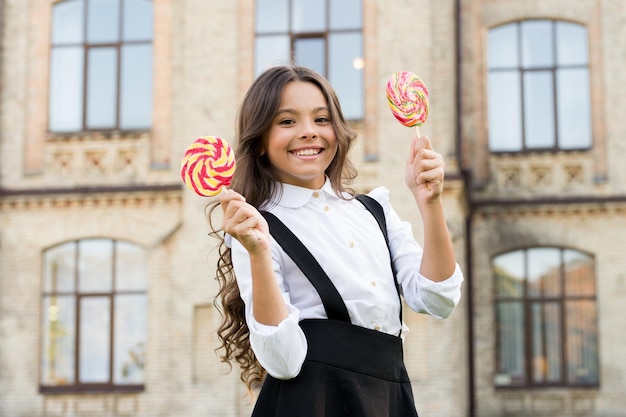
x=466 y=177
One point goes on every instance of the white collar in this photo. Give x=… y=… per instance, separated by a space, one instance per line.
x=293 y=196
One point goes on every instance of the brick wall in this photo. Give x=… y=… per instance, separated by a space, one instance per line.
x=203 y=51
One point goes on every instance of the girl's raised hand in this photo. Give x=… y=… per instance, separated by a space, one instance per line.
x=424 y=171
x=244 y=222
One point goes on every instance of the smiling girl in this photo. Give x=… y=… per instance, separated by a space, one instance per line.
x=311 y=277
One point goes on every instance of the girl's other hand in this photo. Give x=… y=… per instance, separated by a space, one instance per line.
x=244 y=222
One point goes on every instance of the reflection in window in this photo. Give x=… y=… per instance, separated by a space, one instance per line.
x=100 y=65
x=546 y=318
x=324 y=35
x=94 y=316
x=539 y=91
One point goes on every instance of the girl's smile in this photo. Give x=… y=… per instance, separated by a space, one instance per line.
x=301 y=141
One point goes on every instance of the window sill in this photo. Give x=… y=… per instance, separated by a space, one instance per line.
x=91 y=388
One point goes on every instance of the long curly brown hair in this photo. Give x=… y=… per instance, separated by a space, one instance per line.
x=257 y=181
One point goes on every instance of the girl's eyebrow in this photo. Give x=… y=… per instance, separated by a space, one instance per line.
x=294 y=111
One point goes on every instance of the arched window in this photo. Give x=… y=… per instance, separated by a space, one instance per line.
x=545 y=305
x=93 y=316
x=100 y=65
x=539 y=91
x=324 y=35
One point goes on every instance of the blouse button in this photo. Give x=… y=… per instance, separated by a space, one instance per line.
x=351 y=244
x=373 y=283
x=316 y=194
x=377 y=327
x=326 y=208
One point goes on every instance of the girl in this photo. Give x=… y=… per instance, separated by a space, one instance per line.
x=310 y=276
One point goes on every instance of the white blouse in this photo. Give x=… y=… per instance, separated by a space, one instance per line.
x=347 y=242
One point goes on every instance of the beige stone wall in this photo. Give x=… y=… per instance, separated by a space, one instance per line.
x=595 y=229
x=591 y=217
x=204 y=54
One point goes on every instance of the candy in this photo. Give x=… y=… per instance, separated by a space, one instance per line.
x=407 y=97
x=208 y=165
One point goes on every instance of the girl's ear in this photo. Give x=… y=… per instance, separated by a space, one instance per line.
x=262 y=151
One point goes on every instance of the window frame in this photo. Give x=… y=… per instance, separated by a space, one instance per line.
x=325 y=35
x=521 y=70
x=527 y=302
x=86 y=47
x=76 y=297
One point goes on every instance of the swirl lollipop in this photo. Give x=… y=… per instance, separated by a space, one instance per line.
x=208 y=166
x=407 y=97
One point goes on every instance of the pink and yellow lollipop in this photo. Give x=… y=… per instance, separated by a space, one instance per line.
x=407 y=97
x=208 y=165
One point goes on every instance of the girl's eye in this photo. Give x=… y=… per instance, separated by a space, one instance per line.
x=322 y=119
x=286 y=122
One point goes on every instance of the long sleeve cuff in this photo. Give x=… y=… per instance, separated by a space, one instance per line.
x=439 y=299
x=279 y=349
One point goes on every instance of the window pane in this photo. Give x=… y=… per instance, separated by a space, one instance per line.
x=546 y=342
x=308 y=16
x=345 y=57
x=94 y=343
x=509 y=272
x=503 y=47
x=103 y=21
x=311 y=53
x=271 y=50
x=136 y=87
x=59 y=268
x=505 y=112
x=272 y=16
x=95 y=265
x=130 y=267
x=582 y=343
x=102 y=88
x=130 y=338
x=554 y=344
x=537 y=47
x=137 y=20
x=571 y=44
x=511 y=351
x=345 y=14
x=539 y=109
x=67 y=22
x=579 y=274
x=544 y=272
x=65 y=110
x=573 y=108
x=59 y=334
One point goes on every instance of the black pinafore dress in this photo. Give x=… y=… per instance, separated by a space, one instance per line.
x=349 y=371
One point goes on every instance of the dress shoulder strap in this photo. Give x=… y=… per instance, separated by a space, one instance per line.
x=331 y=299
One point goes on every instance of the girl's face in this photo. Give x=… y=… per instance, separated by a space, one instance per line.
x=301 y=142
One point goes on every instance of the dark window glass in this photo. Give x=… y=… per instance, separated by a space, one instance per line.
x=546 y=318
x=538 y=87
x=93 y=316
x=101 y=66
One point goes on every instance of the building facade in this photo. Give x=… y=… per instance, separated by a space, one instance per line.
x=106 y=267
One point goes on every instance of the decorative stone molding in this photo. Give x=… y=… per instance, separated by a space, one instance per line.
x=96 y=159
x=92 y=200
x=538 y=175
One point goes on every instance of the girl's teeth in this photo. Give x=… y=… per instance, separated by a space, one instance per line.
x=307 y=152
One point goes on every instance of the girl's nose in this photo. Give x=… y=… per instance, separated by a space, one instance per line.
x=308 y=132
